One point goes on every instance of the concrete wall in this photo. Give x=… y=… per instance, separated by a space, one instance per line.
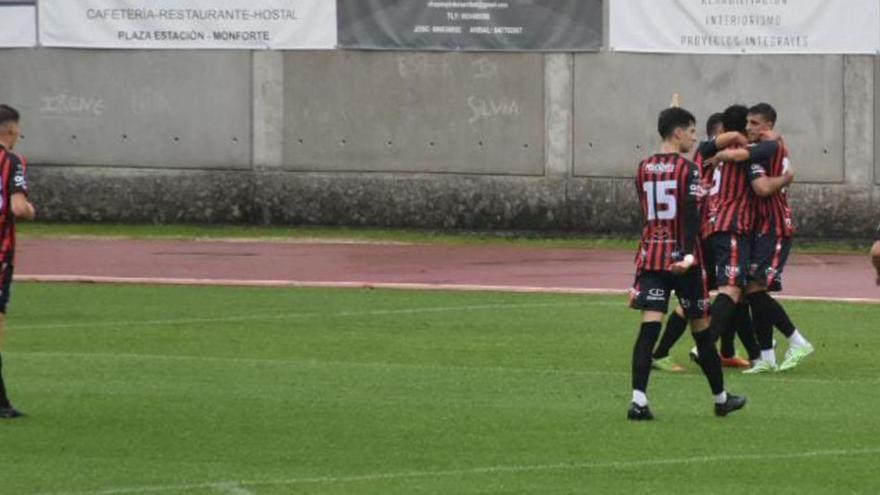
x=417 y=112
x=132 y=109
x=455 y=140
x=613 y=122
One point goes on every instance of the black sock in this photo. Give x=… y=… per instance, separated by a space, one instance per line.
x=780 y=318
x=746 y=331
x=722 y=314
x=4 y=401
x=728 y=335
x=760 y=302
x=709 y=361
x=675 y=327
x=641 y=362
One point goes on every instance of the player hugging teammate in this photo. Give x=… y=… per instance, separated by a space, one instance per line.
x=749 y=227
x=746 y=231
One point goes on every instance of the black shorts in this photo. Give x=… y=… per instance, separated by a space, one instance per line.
x=5 y=285
x=769 y=254
x=732 y=255
x=652 y=290
x=709 y=262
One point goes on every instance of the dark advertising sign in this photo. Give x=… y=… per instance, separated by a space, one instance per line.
x=512 y=25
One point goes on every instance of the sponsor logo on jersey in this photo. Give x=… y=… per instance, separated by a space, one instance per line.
x=661 y=233
x=659 y=168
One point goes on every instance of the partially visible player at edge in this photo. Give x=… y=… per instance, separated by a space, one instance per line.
x=668 y=185
x=13 y=204
x=771 y=239
x=875 y=253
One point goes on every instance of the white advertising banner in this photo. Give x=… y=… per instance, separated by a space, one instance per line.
x=255 y=24
x=19 y=25
x=745 y=26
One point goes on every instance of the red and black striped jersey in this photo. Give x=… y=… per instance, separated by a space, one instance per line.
x=705 y=150
x=731 y=206
x=13 y=179
x=773 y=215
x=668 y=186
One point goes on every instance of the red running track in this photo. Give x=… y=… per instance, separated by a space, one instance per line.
x=391 y=265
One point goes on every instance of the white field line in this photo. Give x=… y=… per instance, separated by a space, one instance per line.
x=396 y=366
x=376 y=285
x=562 y=466
x=291 y=316
x=310 y=283
x=232 y=489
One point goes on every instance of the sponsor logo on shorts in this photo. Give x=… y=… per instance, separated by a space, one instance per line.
x=656 y=295
x=702 y=304
x=685 y=303
x=731 y=271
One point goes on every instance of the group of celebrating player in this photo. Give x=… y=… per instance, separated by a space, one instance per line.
x=718 y=222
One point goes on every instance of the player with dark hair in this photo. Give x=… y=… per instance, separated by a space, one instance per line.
x=676 y=324
x=771 y=241
x=714 y=125
x=669 y=259
x=13 y=204
x=731 y=215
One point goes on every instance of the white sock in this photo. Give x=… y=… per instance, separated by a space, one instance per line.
x=797 y=339
x=640 y=398
x=721 y=398
x=769 y=356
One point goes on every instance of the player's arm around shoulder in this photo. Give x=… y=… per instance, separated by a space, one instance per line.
x=727 y=139
x=729 y=155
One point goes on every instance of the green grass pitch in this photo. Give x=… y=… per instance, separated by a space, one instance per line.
x=141 y=389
